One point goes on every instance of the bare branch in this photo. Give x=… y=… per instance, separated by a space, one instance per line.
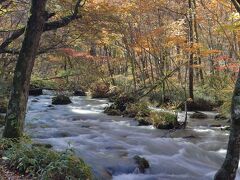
x=236 y=4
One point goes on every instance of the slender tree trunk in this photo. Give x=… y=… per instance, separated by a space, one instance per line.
x=200 y=71
x=108 y=54
x=211 y=47
x=179 y=64
x=191 y=39
x=19 y=95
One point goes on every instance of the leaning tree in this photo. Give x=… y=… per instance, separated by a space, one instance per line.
x=37 y=24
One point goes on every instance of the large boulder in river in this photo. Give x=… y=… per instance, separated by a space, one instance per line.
x=142 y=163
x=198 y=115
x=220 y=117
x=35 y=90
x=79 y=93
x=61 y=100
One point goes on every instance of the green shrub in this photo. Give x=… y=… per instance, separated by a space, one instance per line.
x=42 y=163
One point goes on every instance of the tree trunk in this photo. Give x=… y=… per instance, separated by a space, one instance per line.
x=108 y=54
x=19 y=95
x=230 y=165
x=191 y=39
x=200 y=71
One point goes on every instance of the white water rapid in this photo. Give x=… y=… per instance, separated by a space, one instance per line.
x=108 y=144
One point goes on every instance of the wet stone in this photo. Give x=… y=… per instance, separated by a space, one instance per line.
x=198 y=115
x=142 y=163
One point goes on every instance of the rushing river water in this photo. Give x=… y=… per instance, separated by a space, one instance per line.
x=108 y=144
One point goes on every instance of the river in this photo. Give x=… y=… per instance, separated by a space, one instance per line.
x=108 y=144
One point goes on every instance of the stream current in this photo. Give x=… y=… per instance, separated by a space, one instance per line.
x=108 y=144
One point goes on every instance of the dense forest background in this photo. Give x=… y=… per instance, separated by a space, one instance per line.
x=175 y=49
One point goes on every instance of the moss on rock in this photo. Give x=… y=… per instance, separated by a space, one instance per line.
x=198 y=115
x=164 y=120
x=112 y=111
x=137 y=110
x=79 y=93
x=61 y=100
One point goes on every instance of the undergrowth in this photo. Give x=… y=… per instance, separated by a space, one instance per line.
x=42 y=163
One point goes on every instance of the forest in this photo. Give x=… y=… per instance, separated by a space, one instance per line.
x=119 y=89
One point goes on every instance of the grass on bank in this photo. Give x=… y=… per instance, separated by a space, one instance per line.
x=38 y=162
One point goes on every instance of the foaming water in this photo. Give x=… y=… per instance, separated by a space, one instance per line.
x=108 y=144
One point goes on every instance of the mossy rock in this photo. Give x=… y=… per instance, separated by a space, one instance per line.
x=215 y=125
x=220 y=117
x=35 y=92
x=61 y=100
x=79 y=93
x=198 y=115
x=137 y=110
x=112 y=111
x=164 y=120
x=142 y=163
x=198 y=105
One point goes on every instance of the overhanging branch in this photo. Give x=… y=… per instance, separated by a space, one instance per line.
x=64 y=21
